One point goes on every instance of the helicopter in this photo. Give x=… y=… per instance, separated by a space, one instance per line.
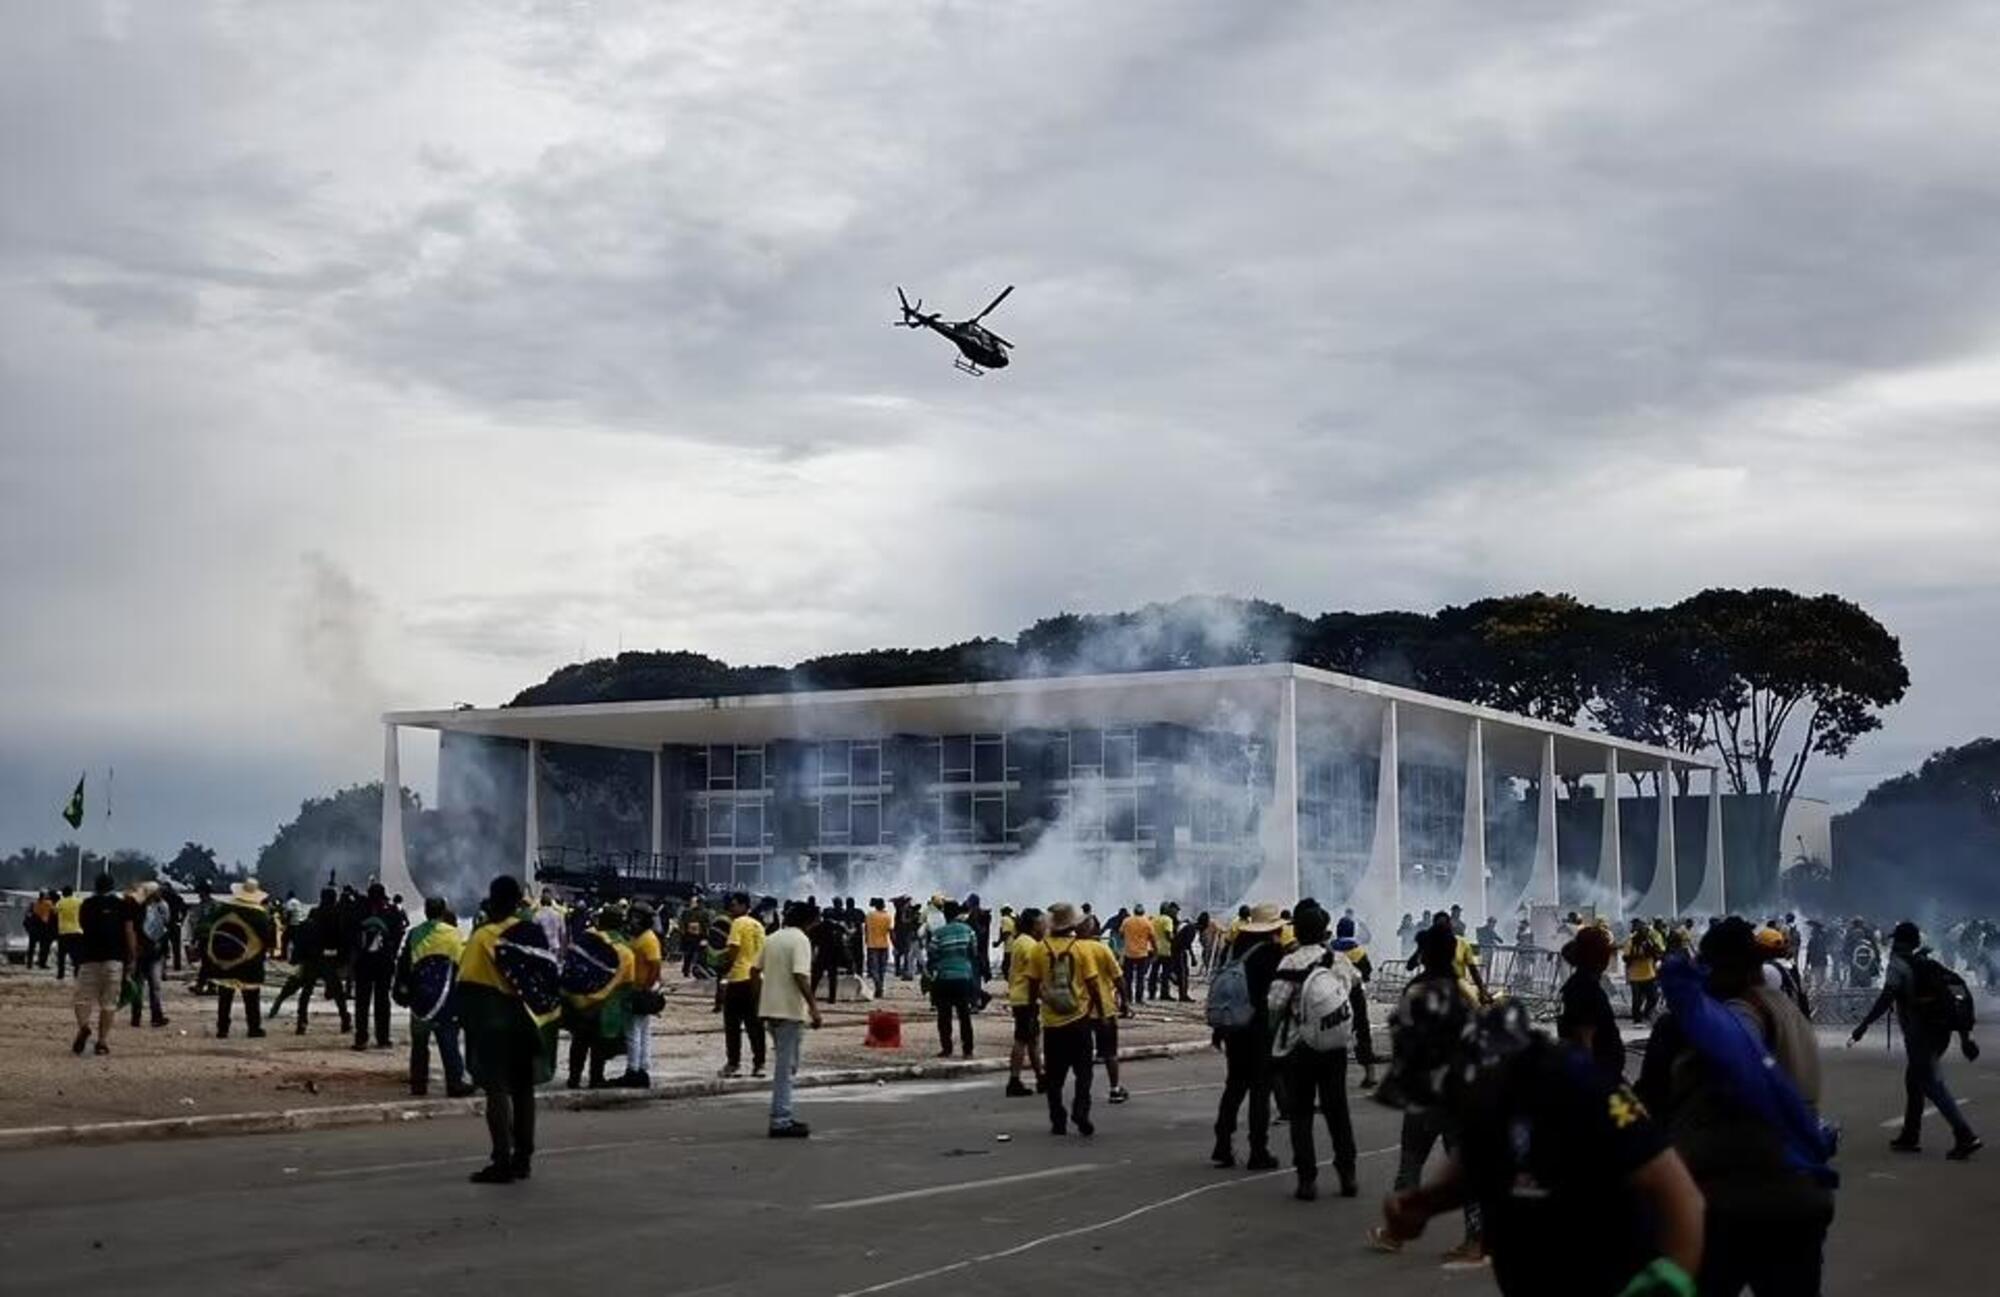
x=977 y=344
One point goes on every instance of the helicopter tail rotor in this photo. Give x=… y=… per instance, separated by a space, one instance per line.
x=912 y=315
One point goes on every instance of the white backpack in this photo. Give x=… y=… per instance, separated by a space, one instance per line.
x=1322 y=1013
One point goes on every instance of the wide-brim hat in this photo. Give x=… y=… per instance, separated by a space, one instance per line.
x=1062 y=915
x=248 y=890
x=1263 y=918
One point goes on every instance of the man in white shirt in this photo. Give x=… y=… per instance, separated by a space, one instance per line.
x=785 y=1003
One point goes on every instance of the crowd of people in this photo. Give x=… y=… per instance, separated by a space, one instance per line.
x=1711 y=1170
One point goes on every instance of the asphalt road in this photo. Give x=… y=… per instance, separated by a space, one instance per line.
x=903 y=1188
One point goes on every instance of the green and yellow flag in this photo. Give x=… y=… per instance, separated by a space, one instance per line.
x=73 y=812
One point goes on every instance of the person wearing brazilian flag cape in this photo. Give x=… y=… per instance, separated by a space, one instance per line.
x=508 y=998
x=597 y=974
x=426 y=975
x=235 y=942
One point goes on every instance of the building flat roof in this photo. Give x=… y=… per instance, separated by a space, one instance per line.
x=1237 y=697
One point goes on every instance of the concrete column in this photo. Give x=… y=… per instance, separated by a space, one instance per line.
x=659 y=806
x=1545 y=885
x=1285 y=791
x=1468 y=885
x=1610 y=856
x=1711 y=897
x=392 y=868
x=533 y=836
x=1662 y=899
x=1381 y=901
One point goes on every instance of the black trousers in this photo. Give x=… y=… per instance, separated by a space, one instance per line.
x=1364 y=1039
x=739 y=1014
x=1771 y=1257
x=1136 y=968
x=827 y=967
x=510 y=1105
x=954 y=998
x=323 y=972
x=39 y=946
x=66 y=953
x=253 y=1009
x=371 y=992
x=1313 y=1076
x=584 y=1046
x=689 y=953
x=1645 y=998
x=1247 y=1057
x=1067 y=1051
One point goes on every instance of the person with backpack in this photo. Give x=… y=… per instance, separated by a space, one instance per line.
x=1345 y=943
x=1732 y=1075
x=1933 y=1004
x=377 y=940
x=1236 y=1000
x=1311 y=1009
x=1058 y=981
x=316 y=947
x=151 y=928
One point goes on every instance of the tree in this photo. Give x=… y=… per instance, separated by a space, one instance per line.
x=194 y=865
x=337 y=837
x=1808 y=677
x=1655 y=678
x=1931 y=836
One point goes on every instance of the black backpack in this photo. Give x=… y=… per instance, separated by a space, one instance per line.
x=1940 y=996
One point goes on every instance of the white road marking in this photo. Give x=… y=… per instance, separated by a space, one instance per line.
x=1929 y=1111
x=1057 y=1237
x=963 y=1186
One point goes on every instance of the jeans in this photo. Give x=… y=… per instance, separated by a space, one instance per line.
x=878 y=969
x=445 y=1028
x=1247 y=1057
x=148 y=973
x=1322 y=1076
x=1066 y=1052
x=739 y=1015
x=1135 y=977
x=371 y=989
x=786 y=1036
x=1770 y=1257
x=950 y=998
x=639 y=1045
x=1422 y=1129
x=1924 y=1079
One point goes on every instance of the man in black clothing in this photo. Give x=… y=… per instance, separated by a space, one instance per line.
x=1246 y=1051
x=1587 y=1020
x=378 y=938
x=104 y=952
x=1579 y=1192
x=316 y=951
x=1925 y=1039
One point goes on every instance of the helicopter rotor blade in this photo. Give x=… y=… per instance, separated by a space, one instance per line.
x=997 y=338
x=991 y=305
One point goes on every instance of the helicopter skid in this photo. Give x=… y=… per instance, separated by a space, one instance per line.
x=967 y=367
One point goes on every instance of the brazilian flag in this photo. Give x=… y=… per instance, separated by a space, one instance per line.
x=73 y=813
x=597 y=985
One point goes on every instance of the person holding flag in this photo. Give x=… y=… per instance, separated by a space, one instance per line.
x=426 y=973
x=508 y=998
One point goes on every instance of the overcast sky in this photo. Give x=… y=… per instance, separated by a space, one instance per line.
x=361 y=355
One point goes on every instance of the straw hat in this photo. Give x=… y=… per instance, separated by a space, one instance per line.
x=249 y=891
x=1263 y=918
x=1062 y=916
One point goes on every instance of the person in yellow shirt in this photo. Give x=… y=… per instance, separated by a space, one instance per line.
x=69 y=929
x=879 y=936
x=1642 y=952
x=736 y=993
x=1106 y=1007
x=647 y=958
x=1137 y=930
x=1058 y=981
x=1021 y=1003
x=1162 y=975
x=509 y=1022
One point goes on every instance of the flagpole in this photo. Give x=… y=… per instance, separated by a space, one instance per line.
x=81 y=821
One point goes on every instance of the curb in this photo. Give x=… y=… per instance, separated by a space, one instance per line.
x=332 y=1117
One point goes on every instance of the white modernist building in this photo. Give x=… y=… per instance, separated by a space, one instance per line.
x=1266 y=781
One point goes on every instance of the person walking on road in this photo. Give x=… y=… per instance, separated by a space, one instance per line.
x=316 y=948
x=508 y=1000
x=785 y=1006
x=103 y=950
x=1027 y=1046
x=1242 y=1033
x=736 y=989
x=1311 y=1007
x=1066 y=996
x=951 y=960
x=1931 y=1004
x=69 y=927
x=1586 y=1019
x=150 y=923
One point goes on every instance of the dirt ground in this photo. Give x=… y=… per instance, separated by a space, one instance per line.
x=181 y=1069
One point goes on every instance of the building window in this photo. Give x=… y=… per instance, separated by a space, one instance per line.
x=833 y=759
x=721 y=825
x=989 y=758
x=749 y=825
x=955 y=761
x=833 y=818
x=957 y=816
x=749 y=768
x=1086 y=753
x=866 y=830
x=866 y=765
x=1121 y=754
x=989 y=815
x=721 y=766
x=1121 y=816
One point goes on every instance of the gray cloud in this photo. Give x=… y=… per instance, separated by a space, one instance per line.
x=549 y=326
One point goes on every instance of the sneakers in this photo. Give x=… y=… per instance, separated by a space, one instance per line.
x=1261 y=1161
x=1084 y=1127
x=1222 y=1158
x=1308 y=1191
x=1348 y=1187
x=1015 y=1090
x=1962 y=1151
x=797 y=1130
x=460 y=1091
x=103 y=1049
x=1059 y=1128
x=523 y=1169
x=1119 y=1094
x=82 y=1039
x=255 y=1033
x=493 y=1173
x=757 y=1072
x=1902 y=1145
x=1383 y=1241
x=729 y=1072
